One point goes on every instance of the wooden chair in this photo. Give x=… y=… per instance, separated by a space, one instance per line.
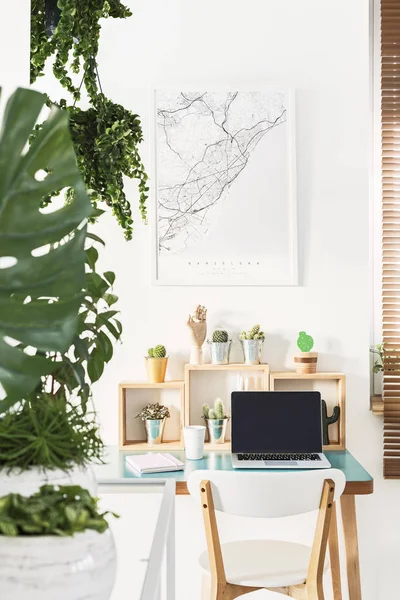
x=292 y=569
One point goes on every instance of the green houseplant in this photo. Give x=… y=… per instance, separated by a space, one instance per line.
x=220 y=347
x=154 y=417
x=252 y=342
x=106 y=136
x=216 y=422
x=44 y=291
x=156 y=364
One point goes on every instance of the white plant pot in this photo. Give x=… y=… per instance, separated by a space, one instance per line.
x=81 y=567
x=28 y=482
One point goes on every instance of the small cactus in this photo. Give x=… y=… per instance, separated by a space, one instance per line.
x=326 y=421
x=305 y=342
x=150 y=352
x=254 y=333
x=160 y=351
x=218 y=412
x=220 y=336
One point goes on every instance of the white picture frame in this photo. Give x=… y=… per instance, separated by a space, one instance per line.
x=219 y=252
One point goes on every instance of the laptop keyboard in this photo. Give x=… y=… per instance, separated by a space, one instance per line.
x=302 y=456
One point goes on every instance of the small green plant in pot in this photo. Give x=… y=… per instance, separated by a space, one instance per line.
x=252 y=344
x=220 y=347
x=154 y=417
x=156 y=364
x=216 y=422
x=305 y=361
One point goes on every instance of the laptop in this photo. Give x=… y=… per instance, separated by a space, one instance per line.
x=277 y=430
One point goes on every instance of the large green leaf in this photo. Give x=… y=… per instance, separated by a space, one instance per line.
x=40 y=295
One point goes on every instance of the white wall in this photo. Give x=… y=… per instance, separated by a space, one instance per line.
x=321 y=47
x=14 y=45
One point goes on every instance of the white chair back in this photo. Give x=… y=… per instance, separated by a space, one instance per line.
x=266 y=494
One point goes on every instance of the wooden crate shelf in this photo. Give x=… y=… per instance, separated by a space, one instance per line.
x=133 y=397
x=332 y=386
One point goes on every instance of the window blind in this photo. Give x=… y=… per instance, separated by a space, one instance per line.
x=390 y=110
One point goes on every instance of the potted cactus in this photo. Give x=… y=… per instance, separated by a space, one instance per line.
x=154 y=417
x=305 y=361
x=252 y=344
x=216 y=422
x=156 y=364
x=220 y=347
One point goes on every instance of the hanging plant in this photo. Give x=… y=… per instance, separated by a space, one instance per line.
x=106 y=136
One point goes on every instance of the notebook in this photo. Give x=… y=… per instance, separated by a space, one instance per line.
x=154 y=463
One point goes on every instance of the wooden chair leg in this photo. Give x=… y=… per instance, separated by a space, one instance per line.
x=333 y=542
x=206 y=588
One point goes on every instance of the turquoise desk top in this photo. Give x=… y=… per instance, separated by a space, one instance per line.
x=116 y=469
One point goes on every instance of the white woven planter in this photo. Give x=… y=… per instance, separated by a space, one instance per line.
x=81 y=567
x=28 y=482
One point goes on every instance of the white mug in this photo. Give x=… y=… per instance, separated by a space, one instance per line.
x=194 y=441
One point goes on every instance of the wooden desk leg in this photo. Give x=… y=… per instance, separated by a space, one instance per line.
x=334 y=556
x=348 y=506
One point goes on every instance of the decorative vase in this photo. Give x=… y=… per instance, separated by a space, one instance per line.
x=28 y=482
x=220 y=352
x=154 y=430
x=50 y=567
x=216 y=430
x=306 y=362
x=156 y=369
x=252 y=350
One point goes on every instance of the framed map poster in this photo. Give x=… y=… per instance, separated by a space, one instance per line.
x=225 y=187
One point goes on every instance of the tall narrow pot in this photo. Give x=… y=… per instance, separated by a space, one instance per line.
x=154 y=430
x=252 y=350
x=216 y=430
x=156 y=369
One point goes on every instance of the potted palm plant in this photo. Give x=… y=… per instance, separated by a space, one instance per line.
x=46 y=432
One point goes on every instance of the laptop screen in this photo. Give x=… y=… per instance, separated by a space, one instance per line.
x=276 y=422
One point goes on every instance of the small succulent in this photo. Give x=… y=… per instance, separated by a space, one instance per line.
x=220 y=336
x=378 y=351
x=254 y=333
x=305 y=342
x=153 y=411
x=218 y=412
x=157 y=352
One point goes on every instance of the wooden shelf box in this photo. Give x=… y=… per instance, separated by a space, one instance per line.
x=332 y=387
x=133 y=397
x=205 y=383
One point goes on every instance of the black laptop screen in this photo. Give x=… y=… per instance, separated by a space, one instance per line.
x=276 y=422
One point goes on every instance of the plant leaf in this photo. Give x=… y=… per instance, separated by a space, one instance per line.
x=56 y=274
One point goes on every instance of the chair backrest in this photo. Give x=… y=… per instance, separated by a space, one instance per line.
x=266 y=494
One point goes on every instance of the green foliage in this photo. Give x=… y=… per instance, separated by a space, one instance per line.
x=305 y=342
x=40 y=295
x=378 y=351
x=150 y=353
x=220 y=336
x=153 y=411
x=218 y=412
x=254 y=333
x=60 y=511
x=46 y=432
x=106 y=136
x=160 y=351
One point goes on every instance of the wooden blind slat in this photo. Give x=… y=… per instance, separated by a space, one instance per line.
x=390 y=125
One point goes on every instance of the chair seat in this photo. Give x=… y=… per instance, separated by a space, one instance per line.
x=263 y=563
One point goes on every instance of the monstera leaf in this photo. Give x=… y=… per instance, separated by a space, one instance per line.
x=42 y=259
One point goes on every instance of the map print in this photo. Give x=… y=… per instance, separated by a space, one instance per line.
x=206 y=142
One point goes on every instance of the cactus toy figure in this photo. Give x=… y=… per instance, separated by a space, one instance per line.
x=220 y=336
x=305 y=343
x=326 y=421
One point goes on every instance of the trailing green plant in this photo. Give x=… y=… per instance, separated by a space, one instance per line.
x=377 y=351
x=305 y=342
x=106 y=136
x=220 y=336
x=218 y=412
x=153 y=411
x=58 y=511
x=40 y=292
x=157 y=352
x=49 y=433
x=254 y=333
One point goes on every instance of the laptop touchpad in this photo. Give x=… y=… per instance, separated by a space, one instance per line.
x=280 y=463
